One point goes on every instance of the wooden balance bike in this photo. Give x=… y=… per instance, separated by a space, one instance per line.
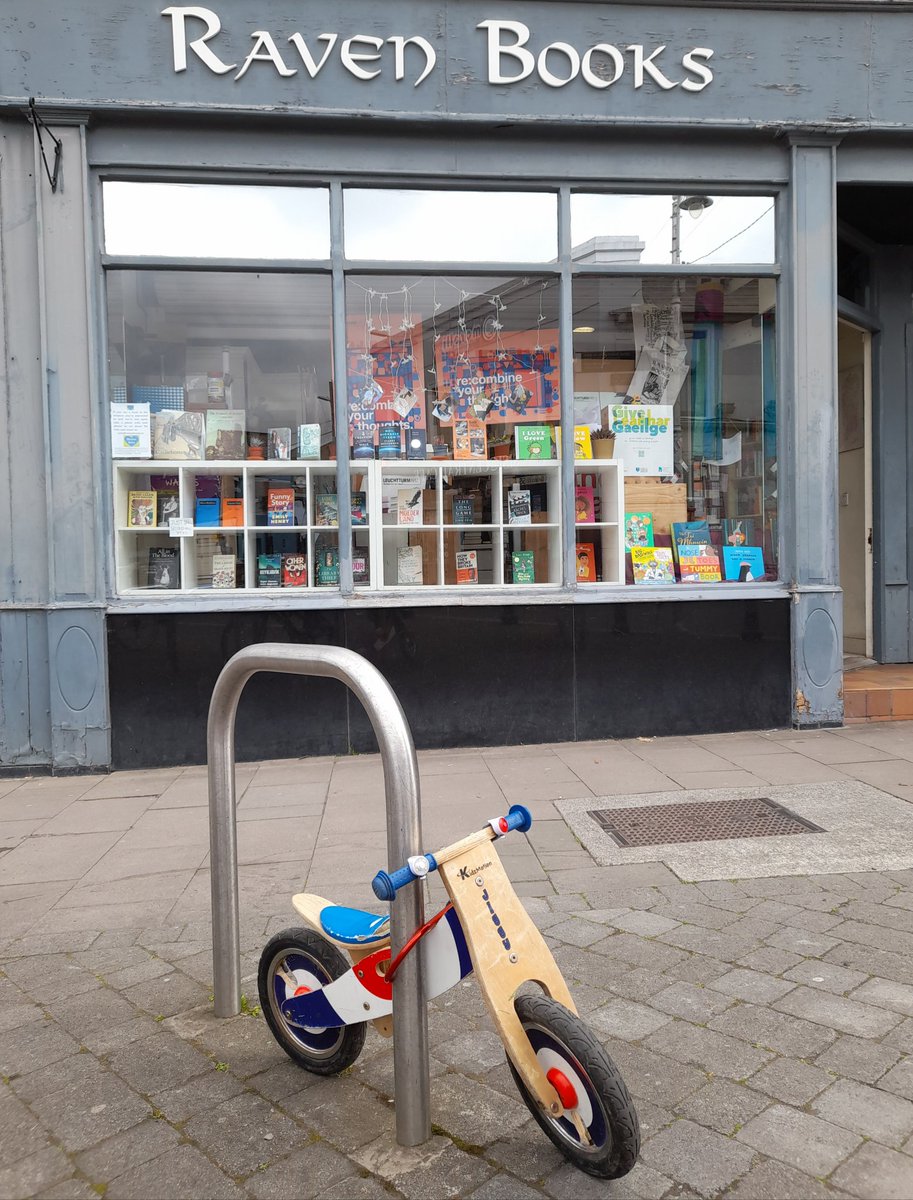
x=317 y=1001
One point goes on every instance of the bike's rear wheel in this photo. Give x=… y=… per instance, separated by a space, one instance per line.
x=601 y=1136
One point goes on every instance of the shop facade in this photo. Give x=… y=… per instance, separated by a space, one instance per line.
x=527 y=350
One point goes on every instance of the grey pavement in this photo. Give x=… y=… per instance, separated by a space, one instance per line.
x=764 y=1025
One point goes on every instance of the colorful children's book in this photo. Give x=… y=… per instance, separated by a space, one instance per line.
x=309 y=441
x=164 y=570
x=280 y=506
x=533 y=442
x=232 y=511
x=519 y=510
x=467 y=566
x=583 y=442
x=294 y=570
x=523 y=566
x=326 y=509
x=586 y=562
x=470 y=439
x=638 y=529
x=744 y=564
x=689 y=533
x=698 y=564
x=279 y=443
x=409 y=565
x=409 y=508
x=177 y=435
x=269 y=570
x=224 y=570
x=225 y=433
x=463 y=510
x=584 y=506
x=738 y=531
x=207 y=512
x=141 y=510
x=652 y=564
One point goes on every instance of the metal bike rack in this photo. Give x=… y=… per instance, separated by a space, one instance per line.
x=412 y=1088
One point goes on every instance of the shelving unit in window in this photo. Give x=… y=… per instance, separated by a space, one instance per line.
x=599 y=520
x=454 y=523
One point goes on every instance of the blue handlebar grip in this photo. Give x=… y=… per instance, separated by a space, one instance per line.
x=386 y=886
x=519 y=817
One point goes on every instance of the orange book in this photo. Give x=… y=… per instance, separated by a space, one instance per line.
x=467 y=566
x=232 y=512
x=586 y=562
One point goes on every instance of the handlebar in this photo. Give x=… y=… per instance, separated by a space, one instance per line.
x=385 y=886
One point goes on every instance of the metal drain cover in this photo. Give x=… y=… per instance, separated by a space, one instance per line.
x=714 y=820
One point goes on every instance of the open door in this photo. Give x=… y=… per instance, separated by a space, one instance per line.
x=854 y=396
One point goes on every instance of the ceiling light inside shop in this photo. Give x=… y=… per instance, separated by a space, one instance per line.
x=584 y=329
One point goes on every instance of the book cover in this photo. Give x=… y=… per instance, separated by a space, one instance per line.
x=226 y=433
x=584 y=506
x=279 y=443
x=141 y=510
x=326 y=509
x=409 y=506
x=638 y=529
x=309 y=441
x=363 y=442
x=409 y=565
x=698 y=563
x=269 y=570
x=280 y=506
x=164 y=570
x=583 y=442
x=470 y=439
x=519 y=510
x=232 y=511
x=167 y=506
x=361 y=566
x=689 y=533
x=359 y=508
x=739 y=531
x=652 y=564
x=207 y=512
x=294 y=570
x=467 y=566
x=416 y=446
x=389 y=439
x=224 y=570
x=463 y=510
x=523 y=566
x=586 y=562
x=177 y=435
x=327 y=567
x=533 y=442
x=743 y=564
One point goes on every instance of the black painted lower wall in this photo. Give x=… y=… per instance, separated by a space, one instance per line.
x=465 y=676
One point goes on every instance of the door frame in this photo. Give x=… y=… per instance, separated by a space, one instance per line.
x=868 y=505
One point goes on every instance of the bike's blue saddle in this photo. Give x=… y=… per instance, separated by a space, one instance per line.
x=353 y=926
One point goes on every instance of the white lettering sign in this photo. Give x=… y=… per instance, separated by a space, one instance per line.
x=510 y=56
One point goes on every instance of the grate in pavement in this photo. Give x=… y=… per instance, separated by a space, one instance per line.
x=715 y=820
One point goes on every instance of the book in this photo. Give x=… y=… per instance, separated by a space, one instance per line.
x=389 y=439
x=519 y=511
x=361 y=566
x=652 y=564
x=280 y=506
x=409 y=507
x=309 y=441
x=470 y=439
x=224 y=570
x=409 y=565
x=416 y=446
x=738 y=531
x=584 y=506
x=177 y=435
x=586 y=562
x=207 y=512
x=167 y=506
x=327 y=573
x=294 y=570
x=698 y=563
x=523 y=566
x=363 y=442
x=232 y=511
x=638 y=529
x=226 y=433
x=269 y=570
x=463 y=510
x=583 y=443
x=141 y=510
x=326 y=509
x=467 y=566
x=533 y=442
x=689 y=533
x=744 y=564
x=279 y=442
x=359 y=508
x=164 y=569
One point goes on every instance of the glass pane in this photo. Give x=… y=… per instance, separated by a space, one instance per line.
x=421 y=226
x=676 y=380
x=197 y=220
x=669 y=229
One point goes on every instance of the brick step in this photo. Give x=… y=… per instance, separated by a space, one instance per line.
x=879 y=693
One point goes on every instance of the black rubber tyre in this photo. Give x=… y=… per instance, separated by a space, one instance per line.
x=606 y=1109
x=312 y=962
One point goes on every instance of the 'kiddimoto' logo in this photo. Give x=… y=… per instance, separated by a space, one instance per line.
x=468 y=872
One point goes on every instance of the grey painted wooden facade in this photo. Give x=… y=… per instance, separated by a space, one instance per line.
x=799 y=102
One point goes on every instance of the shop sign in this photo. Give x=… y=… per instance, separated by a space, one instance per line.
x=512 y=55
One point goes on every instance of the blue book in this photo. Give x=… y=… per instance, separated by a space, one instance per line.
x=743 y=563
x=207 y=511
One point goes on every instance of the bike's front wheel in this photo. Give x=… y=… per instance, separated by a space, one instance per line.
x=599 y=1131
